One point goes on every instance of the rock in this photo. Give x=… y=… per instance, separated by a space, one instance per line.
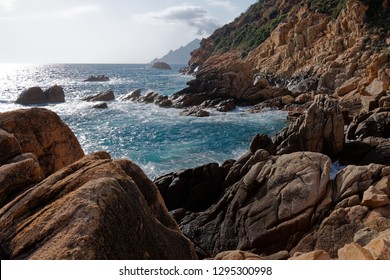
x=163 y=101
x=192 y=189
x=354 y=251
x=287 y=100
x=237 y=255
x=35 y=95
x=149 y=97
x=99 y=78
x=162 y=66
x=374 y=198
x=261 y=141
x=380 y=246
x=55 y=94
x=281 y=255
x=42 y=133
x=384 y=101
x=9 y=146
x=132 y=96
x=348 y=86
x=321 y=129
x=365 y=236
x=375 y=123
x=315 y=255
x=96 y=208
x=103 y=96
x=195 y=112
x=101 y=106
x=376 y=89
x=278 y=198
x=226 y=106
x=17 y=176
x=303 y=98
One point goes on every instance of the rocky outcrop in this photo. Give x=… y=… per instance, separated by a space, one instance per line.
x=162 y=66
x=102 y=105
x=193 y=189
x=96 y=208
x=264 y=211
x=320 y=129
x=103 y=96
x=195 y=112
x=132 y=96
x=42 y=133
x=36 y=95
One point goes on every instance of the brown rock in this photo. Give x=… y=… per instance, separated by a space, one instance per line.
x=195 y=112
x=374 y=198
x=287 y=100
x=379 y=248
x=321 y=129
x=354 y=251
x=9 y=146
x=55 y=94
x=18 y=176
x=103 y=96
x=41 y=132
x=134 y=95
x=314 y=255
x=237 y=255
x=376 y=89
x=34 y=95
x=96 y=208
x=365 y=236
x=275 y=200
x=374 y=124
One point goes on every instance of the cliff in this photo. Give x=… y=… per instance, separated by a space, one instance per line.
x=335 y=47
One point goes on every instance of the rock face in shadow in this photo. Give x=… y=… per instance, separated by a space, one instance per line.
x=277 y=199
x=42 y=133
x=36 y=95
x=96 y=208
x=320 y=129
x=103 y=96
x=162 y=66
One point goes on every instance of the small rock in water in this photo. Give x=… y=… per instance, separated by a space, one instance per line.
x=101 y=106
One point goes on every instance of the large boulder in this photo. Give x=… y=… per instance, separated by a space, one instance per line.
x=267 y=209
x=42 y=133
x=320 y=129
x=96 y=208
x=162 y=66
x=36 y=95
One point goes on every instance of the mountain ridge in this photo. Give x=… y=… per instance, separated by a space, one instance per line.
x=179 y=56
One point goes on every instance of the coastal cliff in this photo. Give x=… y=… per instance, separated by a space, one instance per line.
x=282 y=199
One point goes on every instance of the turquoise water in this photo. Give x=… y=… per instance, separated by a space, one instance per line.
x=157 y=139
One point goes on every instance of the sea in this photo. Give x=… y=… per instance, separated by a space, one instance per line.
x=158 y=139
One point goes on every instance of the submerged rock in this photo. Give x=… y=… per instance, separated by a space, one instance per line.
x=99 y=78
x=103 y=96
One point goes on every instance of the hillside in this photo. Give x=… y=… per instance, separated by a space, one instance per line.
x=332 y=46
x=180 y=56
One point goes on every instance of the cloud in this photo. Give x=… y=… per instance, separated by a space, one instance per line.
x=78 y=11
x=7 y=5
x=227 y=5
x=193 y=16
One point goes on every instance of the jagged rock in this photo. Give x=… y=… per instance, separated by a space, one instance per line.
x=261 y=141
x=192 y=189
x=101 y=106
x=96 y=208
x=163 y=101
x=380 y=246
x=237 y=255
x=42 y=133
x=132 y=96
x=162 y=66
x=226 y=106
x=195 y=112
x=375 y=123
x=354 y=251
x=321 y=129
x=9 y=146
x=276 y=199
x=375 y=198
x=103 y=96
x=315 y=255
x=35 y=95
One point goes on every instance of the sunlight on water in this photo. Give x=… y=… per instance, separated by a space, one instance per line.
x=157 y=139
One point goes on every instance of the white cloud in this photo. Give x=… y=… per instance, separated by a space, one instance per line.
x=227 y=5
x=78 y=11
x=7 y=5
x=193 y=16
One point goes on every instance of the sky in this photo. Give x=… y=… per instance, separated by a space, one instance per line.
x=106 y=31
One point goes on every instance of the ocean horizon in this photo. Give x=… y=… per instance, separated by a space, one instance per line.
x=158 y=139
